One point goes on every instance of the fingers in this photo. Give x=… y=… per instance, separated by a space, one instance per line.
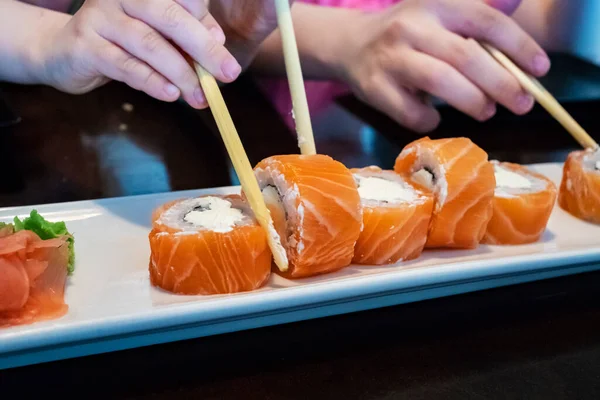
x=146 y=44
x=396 y=102
x=438 y=78
x=480 y=21
x=175 y=22
x=115 y=63
x=199 y=10
x=478 y=66
x=508 y=7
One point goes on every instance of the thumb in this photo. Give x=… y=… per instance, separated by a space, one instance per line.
x=506 y=6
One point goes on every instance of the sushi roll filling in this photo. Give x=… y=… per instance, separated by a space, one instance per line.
x=211 y=213
x=382 y=188
x=281 y=199
x=214 y=213
x=272 y=195
x=274 y=198
x=509 y=179
x=425 y=177
x=510 y=183
x=202 y=208
x=428 y=173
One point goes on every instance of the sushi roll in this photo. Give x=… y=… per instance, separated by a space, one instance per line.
x=462 y=181
x=316 y=211
x=579 y=192
x=208 y=245
x=523 y=203
x=36 y=258
x=396 y=218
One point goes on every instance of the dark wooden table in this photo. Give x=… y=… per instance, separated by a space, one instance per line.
x=531 y=341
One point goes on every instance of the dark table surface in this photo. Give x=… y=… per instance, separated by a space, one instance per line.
x=534 y=341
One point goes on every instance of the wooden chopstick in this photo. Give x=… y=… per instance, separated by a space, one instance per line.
x=301 y=114
x=535 y=88
x=240 y=162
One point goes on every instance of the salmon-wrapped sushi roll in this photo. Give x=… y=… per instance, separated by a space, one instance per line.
x=579 y=192
x=396 y=218
x=462 y=180
x=523 y=203
x=316 y=211
x=208 y=245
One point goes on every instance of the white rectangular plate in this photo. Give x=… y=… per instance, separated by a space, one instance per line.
x=114 y=307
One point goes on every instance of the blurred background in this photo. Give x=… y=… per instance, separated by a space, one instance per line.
x=115 y=141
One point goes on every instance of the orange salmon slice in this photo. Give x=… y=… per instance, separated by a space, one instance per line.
x=520 y=214
x=396 y=218
x=191 y=259
x=316 y=211
x=579 y=192
x=462 y=180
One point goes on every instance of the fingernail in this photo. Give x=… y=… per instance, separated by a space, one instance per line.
x=489 y=110
x=525 y=102
x=231 y=68
x=199 y=96
x=171 y=90
x=217 y=34
x=541 y=64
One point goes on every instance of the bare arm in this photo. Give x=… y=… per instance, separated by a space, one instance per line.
x=20 y=42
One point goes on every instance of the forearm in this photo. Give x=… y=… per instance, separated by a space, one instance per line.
x=21 y=28
x=322 y=34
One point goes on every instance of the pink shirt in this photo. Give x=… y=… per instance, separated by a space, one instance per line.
x=319 y=94
x=362 y=4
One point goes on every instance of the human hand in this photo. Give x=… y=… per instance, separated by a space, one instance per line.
x=246 y=24
x=389 y=58
x=139 y=42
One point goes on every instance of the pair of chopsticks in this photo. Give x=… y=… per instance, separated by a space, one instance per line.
x=232 y=141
